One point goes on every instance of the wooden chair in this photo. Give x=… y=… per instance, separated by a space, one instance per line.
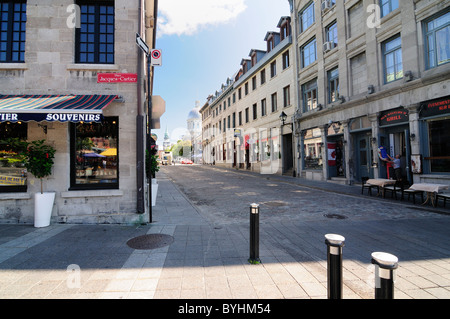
x=397 y=187
x=367 y=186
x=410 y=192
x=443 y=196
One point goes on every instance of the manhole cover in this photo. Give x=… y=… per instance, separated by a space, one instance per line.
x=275 y=204
x=150 y=241
x=335 y=216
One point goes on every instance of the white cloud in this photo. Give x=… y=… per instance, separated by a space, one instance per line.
x=188 y=16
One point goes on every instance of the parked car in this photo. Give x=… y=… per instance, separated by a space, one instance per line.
x=186 y=161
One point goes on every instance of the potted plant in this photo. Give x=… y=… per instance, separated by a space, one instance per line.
x=39 y=162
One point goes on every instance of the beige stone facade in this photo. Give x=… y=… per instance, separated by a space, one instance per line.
x=241 y=121
x=390 y=62
x=50 y=68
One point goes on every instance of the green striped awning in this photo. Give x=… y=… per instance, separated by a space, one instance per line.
x=62 y=108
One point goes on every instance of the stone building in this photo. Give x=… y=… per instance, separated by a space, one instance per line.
x=241 y=121
x=371 y=74
x=72 y=74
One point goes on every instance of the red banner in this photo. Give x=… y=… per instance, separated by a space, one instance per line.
x=116 y=78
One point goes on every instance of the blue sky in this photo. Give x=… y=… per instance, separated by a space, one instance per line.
x=202 y=45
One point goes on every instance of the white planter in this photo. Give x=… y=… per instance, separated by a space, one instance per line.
x=43 y=206
x=154 y=191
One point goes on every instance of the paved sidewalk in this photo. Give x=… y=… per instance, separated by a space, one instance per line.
x=209 y=260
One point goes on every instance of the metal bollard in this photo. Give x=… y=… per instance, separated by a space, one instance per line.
x=254 y=234
x=334 y=265
x=385 y=265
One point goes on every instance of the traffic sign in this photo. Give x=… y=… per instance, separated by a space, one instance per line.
x=155 y=56
x=141 y=43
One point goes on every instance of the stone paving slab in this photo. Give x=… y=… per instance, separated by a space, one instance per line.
x=208 y=258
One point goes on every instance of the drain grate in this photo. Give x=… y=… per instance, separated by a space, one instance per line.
x=150 y=241
x=335 y=216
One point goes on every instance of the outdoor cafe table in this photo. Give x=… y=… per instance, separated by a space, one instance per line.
x=430 y=189
x=380 y=183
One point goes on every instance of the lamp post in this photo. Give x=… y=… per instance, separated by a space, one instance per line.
x=283 y=118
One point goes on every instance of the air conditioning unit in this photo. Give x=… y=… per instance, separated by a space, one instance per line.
x=326 y=5
x=328 y=46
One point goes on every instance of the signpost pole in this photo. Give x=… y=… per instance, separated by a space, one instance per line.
x=150 y=211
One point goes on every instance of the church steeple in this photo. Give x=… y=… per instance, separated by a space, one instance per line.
x=166 y=142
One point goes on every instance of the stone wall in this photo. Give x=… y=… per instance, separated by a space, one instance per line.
x=49 y=68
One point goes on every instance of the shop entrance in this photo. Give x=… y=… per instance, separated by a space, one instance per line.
x=363 y=156
x=336 y=161
x=288 y=162
x=396 y=142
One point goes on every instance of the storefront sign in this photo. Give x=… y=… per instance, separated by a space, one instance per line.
x=50 y=117
x=116 y=78
x=9 y=180
x=396 y=116
x=435 y=107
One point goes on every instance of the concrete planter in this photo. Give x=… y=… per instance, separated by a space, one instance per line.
x=43 y=206
x=154 y=191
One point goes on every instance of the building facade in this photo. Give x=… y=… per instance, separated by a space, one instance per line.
x=71 y=74
x=372 y=74
x=241 y=121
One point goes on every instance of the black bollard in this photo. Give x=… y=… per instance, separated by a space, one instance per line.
x=254 y=234
x=385 y=266
x=334 y=265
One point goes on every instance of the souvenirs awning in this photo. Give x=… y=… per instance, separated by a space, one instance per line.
x=53 y=108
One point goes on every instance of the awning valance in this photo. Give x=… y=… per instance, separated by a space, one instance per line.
x=60 y=108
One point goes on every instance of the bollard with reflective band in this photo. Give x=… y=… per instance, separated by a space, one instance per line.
x=254 y=234
x=385 y=266
x=334 y=265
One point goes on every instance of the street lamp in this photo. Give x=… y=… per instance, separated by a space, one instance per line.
x=283 y=117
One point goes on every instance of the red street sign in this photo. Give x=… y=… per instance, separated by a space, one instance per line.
x=116 y=77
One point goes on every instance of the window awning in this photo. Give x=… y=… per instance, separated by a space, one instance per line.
x=53 y=108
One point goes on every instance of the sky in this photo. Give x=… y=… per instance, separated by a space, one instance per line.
x=202 y=43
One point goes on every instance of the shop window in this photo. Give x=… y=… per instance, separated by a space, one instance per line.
x=437 y=40
x=393 y=65
x=94 y=154
x=95 y=37
x=439 y=145
x=13 y=20
x=13 y=174
x=312 y=144
x=360 y=123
